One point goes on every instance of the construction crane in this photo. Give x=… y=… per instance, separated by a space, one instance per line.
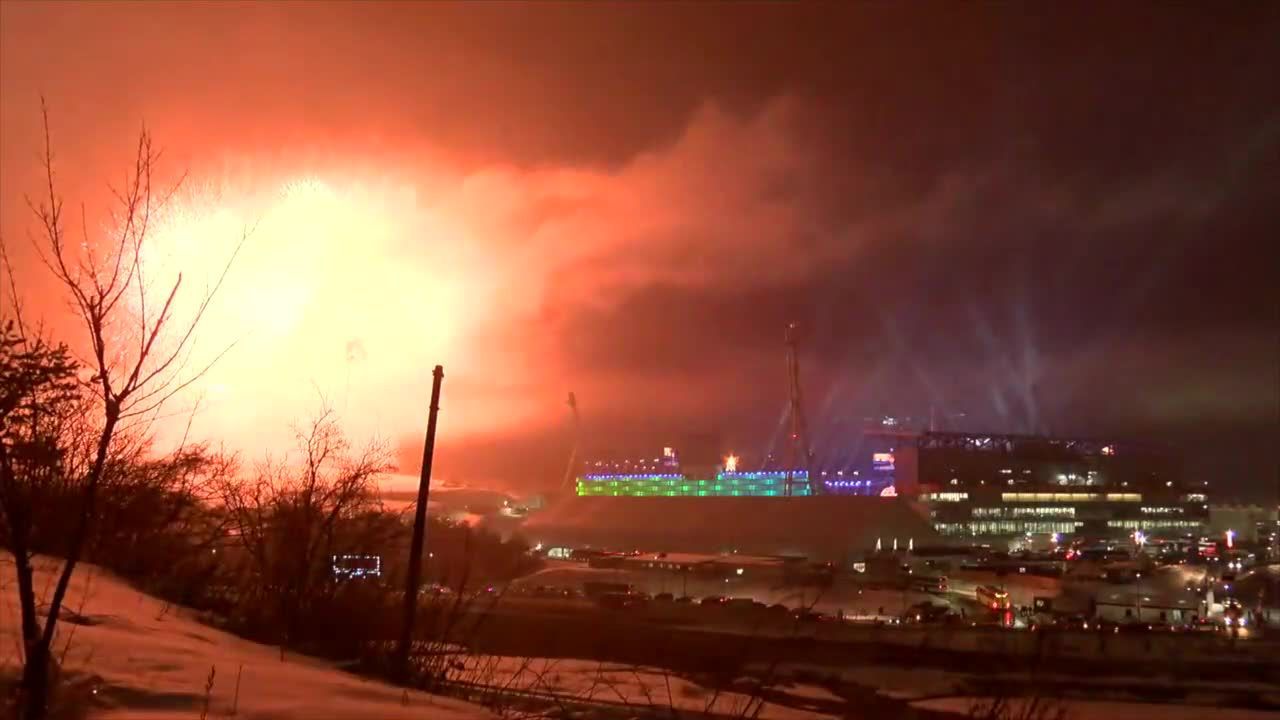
x=797 y=451
x=569 y=471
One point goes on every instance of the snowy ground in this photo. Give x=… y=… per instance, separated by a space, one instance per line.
x=133 y=657
x=649 y=687
x=787 y=700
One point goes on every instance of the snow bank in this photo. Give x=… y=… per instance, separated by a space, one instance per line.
x=132 y=656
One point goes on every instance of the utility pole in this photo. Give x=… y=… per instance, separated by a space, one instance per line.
x=419 y=532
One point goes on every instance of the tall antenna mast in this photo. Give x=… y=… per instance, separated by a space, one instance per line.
x=571 y=469
x=797 y=455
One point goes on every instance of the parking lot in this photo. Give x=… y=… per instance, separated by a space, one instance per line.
x=1168 y=597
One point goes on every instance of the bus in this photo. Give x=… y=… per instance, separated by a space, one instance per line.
x=993 y=597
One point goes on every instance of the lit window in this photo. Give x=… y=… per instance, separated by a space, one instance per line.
x=1124 y=497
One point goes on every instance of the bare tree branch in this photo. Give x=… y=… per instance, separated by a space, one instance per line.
x=128 y=382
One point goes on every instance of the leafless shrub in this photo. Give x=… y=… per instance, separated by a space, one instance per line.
x=208 y=692
x=289 y=519
x=235 y=699
x=1006 y=706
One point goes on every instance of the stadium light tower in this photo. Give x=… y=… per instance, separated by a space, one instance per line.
x=798 y=455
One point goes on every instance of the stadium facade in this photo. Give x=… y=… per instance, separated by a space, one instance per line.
x=869 y=472
x=967 y=486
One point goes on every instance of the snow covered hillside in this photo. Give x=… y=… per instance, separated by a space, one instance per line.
x=132 y=656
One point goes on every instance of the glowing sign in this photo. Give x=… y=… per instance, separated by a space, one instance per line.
x=668 y=452
x=890 y=491
x=882 y=461
x=731 y=463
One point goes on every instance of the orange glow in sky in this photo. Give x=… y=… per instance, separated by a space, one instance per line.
x=332 y=298
x=362 y=270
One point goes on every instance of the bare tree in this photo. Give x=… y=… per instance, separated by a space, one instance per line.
x=137 y=360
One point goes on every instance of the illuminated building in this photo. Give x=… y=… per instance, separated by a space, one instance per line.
x=1009 y=485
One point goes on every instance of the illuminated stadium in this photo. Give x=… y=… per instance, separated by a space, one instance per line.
x=871 y=472
x=703 y=501
x=901 y=485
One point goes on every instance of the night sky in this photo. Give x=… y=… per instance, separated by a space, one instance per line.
x=1049 y=221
